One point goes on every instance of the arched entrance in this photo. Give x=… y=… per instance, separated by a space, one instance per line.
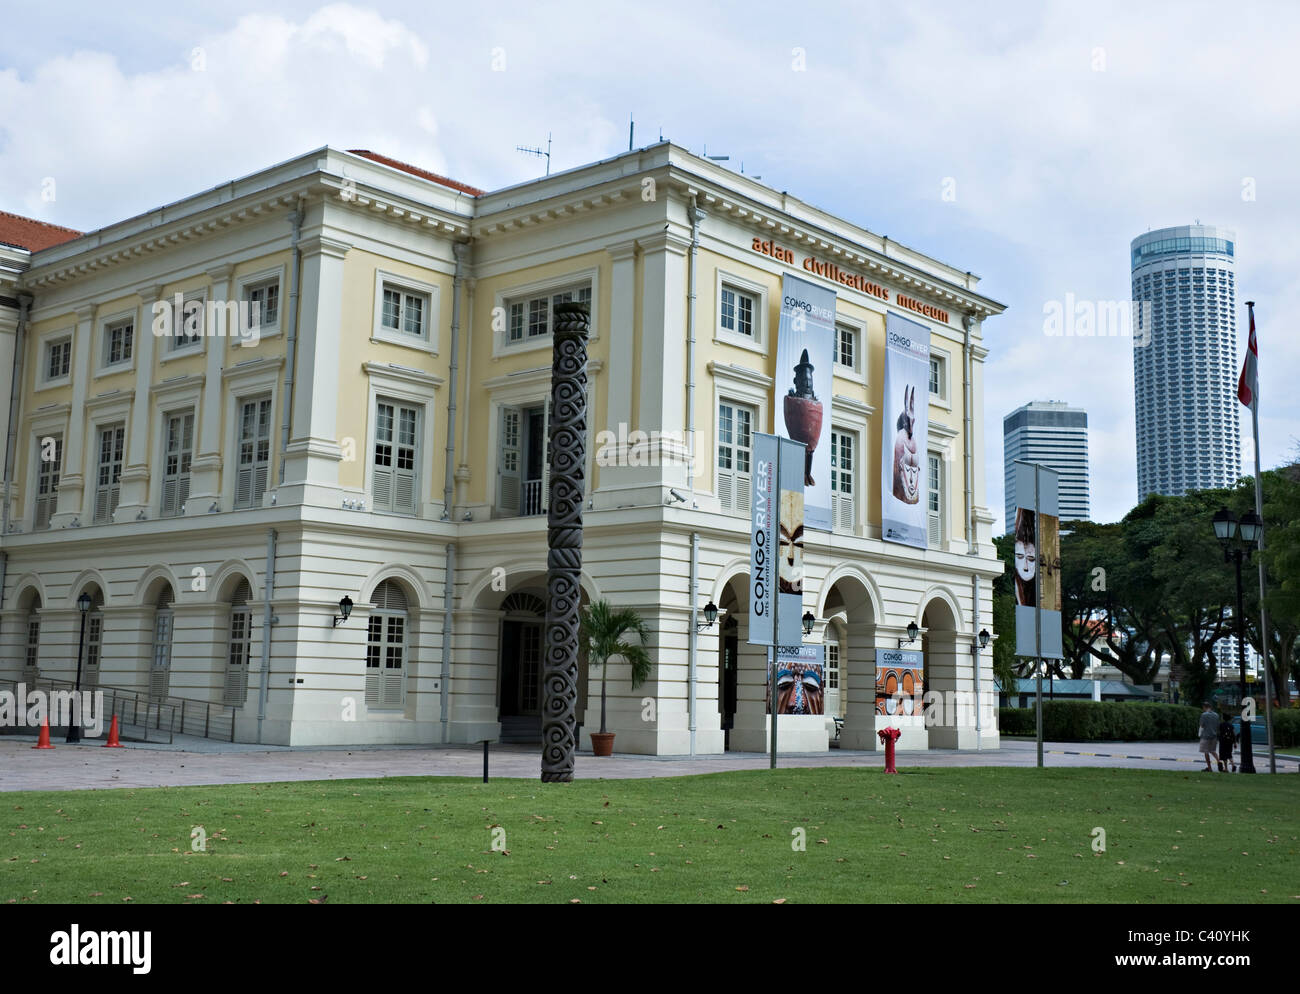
x=519 y=683
x=850 y=638
x=943 y=679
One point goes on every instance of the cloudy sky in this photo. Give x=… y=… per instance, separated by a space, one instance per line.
x=1028 y=143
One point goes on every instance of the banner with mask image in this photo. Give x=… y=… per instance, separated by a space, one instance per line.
x=800 y=680
x=776 y=542
x=804 y=341
x=900 y=683
x=905 y=425
x=1037 y=562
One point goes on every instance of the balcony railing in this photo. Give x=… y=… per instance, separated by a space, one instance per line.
x=532 y=498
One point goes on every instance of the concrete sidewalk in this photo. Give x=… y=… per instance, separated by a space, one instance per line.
x=88 y=766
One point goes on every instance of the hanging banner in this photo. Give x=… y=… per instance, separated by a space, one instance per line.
x=776 y=542
x=800 y=680
x=900 y=682
x=804 y=342
x=1038 y=562
x=905 y=425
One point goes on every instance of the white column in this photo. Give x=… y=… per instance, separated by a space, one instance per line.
x=135 y=474
x=72 y=482
x=312 y=460
x=663 y=353
x=205 y=467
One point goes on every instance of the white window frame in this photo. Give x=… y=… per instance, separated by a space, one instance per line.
x=748 y=476
x=936 y=485
x=944 y=397
x=32 y=646
x=43 y=348
x=106 y=325
x=183 y=477
x=382 y=615
x=418 y=460
x=855 y=480
x=171 y=397
x=98 y=462
x=501 y=344
x=234 y=691
x=858 y=372
x=427 y=341
x=417 y=389
x=737 y=385
x=50 y=424
x=170 y=349
x=759 y=341
x=245 y=285
x=244 y=382
x=103 y=411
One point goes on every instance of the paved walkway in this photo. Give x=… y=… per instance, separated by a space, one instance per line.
x=191 y=761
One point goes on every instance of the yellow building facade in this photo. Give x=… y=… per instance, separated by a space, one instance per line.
x=329 y=380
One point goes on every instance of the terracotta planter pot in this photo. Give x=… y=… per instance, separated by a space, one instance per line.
x=602 y=743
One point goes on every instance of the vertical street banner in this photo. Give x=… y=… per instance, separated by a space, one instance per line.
x=804 y=385
x=905 y=423
x=800 y=680
x=776 y=542
x=1037 y=533
x=900 y=683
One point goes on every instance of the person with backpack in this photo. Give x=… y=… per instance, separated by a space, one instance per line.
x=1227 y=739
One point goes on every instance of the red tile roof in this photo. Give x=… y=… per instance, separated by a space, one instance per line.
x=417 y=171
x=24 y=232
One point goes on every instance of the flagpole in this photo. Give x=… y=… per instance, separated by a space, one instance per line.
x=1259 y=513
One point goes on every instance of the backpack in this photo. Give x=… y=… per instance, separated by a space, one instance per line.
x=1226 y=735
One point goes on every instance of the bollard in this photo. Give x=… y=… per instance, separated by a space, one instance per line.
x=485 y=760
x=889 y=736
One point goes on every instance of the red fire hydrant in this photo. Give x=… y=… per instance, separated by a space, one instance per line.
x=889 y=736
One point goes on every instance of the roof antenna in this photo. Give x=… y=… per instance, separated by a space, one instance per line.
x=528 y=150
x=631 y=127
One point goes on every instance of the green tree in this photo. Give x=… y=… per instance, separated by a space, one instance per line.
x=604 y=630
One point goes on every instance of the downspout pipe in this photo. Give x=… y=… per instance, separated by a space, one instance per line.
x=693 y=635
x=269 y=591
x=15 y=395
x=449 y=587
x=968 y=322
x=975 y=655
x=291 y=341
x=461 y=249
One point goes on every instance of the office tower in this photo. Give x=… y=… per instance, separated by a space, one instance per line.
x=1185 y=360
x=1054 y=434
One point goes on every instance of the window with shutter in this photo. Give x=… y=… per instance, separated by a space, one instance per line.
x=240 y=645
x=509 y=461
x=735 y=447
x=161 y=657
x=109 y=473
x=253 y=470
x=843 y=467
x=934 y=502
x=50 y=454
x=393 y=473
x=386 y=647
x=94 y=645
x=31 y=655
x=179 y=451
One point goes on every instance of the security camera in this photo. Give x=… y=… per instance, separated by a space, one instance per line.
x=676 y=496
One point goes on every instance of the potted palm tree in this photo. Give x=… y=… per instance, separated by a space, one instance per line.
x=604 y=633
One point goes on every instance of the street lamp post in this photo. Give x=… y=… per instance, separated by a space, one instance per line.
x=1238 y=540
x=74 y=719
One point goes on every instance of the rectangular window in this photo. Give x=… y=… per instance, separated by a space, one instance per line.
x=936 y=376
x=178 y=432
x=395 y=452
x=187 y=323
x=109 y=472
x=845 y=347
x=737 y=311
x=32 y=653
x=254 y=452
x=385 y=660
x=404 y=311
x=119 y=340
x=532 y=318
x=843 y=509
x=832 y=666
x=735 y=448
x=263 y=303
x=934 y=501
x=58 y=359
x=94 y=646
x=50 y=456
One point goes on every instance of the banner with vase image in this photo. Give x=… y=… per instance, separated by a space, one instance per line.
x=900 y=683
x=804 y=377
x=905 y=425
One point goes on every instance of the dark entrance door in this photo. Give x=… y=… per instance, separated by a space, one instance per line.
x=727 y=697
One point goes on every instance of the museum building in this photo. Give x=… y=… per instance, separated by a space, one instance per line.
x=289 y=437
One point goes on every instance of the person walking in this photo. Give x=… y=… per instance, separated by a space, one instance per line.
x=1209 y=733
x=1227 y=739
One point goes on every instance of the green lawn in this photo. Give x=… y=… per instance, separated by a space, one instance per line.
x=949 y=835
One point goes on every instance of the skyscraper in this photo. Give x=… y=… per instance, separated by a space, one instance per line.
x=1185 y=360
x=1054 y=434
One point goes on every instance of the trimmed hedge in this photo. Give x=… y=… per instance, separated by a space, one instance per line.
x=1107 y=721
x=1286 y=727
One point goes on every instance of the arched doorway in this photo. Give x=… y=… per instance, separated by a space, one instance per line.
x=160 y=656
x=29 y=602
x=727 y=673
x=387 y=647
x=92 y=656
x=946 y=718
x=239 y=643
x=519 y=684
x=850 y=639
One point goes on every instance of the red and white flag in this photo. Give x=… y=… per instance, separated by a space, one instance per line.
x=1248 y=383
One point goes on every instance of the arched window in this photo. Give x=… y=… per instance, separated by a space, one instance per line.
x=240 y=645
x=31 y=656
x=160 y=671
x=386 y=647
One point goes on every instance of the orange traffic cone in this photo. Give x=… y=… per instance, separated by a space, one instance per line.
x=112 y=742
x=44 y=741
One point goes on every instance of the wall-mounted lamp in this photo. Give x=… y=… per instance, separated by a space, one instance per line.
x=345 y=609
x=710 y=616
x=808 y=622
x=984 y=638
x=912 y=632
